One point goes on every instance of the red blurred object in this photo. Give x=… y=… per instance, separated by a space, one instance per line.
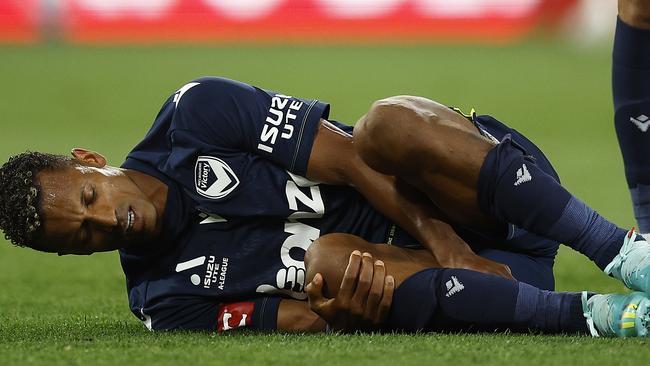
x=18 y=21
x=305 y=21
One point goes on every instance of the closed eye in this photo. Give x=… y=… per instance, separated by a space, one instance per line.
x=88 y=195
x=93 y=195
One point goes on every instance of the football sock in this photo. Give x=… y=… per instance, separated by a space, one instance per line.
x=441 y=299
x=514 y=189
x=631 y=91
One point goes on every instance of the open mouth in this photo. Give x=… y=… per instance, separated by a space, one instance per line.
x=130 y=219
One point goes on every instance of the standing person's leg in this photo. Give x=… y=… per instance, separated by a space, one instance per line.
x=631 y=92
x=473 y=181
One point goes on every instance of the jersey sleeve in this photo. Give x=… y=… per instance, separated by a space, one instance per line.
x=232 y=116
x=194 y=314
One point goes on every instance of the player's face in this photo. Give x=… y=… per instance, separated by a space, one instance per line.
x=93 y=208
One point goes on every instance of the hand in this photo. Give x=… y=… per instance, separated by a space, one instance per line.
x=476 y=263
x=363 y=300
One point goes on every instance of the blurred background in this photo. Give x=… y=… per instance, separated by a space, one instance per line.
x=313 y=21
x=93 y=73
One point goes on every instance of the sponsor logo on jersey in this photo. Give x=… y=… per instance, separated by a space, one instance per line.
x=213 y=178
x=305 y=200
x=279 y=121
x=523 y=175
x=642 y=122
x=454 y=286
x=215 y=273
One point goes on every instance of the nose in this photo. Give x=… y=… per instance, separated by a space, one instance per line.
x=105 y=219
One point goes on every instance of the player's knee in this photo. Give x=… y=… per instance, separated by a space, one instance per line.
x=378 y=136
x=313 y=255
x=371 y=130
x=323 y=253
x=321 y=257
x=635 y=13
x=329 y=255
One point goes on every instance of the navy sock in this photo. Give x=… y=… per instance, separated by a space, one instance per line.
x=457 y=299
x=631 y=92
x=550 y=311
x=514 y=189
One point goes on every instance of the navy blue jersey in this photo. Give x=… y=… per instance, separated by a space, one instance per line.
x=240 y=213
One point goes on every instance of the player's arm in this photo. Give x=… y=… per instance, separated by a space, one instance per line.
x=333 y=160
x=213 y=110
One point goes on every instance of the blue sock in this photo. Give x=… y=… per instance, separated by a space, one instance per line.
x=457 y=299
x=514 y=189
x=631 y=91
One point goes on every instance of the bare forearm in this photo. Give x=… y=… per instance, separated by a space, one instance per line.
x=410 y=210
x=413 y=212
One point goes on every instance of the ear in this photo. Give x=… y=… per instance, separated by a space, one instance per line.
x=89 y=157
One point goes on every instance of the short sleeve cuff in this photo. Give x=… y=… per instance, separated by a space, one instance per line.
x=307 y=134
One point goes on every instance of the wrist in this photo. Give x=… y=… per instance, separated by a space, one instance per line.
x=450 y=259
x=448 y=249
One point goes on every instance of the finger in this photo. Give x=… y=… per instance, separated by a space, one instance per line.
x=364 y=283
x=376 y=291
x=318 y=303
x=386 y=301
x=315 y=292
x=349 y=282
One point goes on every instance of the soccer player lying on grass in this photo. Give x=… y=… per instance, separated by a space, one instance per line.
x=213 y=211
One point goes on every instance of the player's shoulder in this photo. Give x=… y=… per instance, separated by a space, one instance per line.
x=213 y=89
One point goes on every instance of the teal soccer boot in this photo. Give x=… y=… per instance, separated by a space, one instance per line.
x=632 y=264
x=617 y=315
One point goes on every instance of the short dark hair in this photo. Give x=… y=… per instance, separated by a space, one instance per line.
x=20 y=195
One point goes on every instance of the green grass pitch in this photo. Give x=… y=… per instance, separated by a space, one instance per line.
x=73 y=310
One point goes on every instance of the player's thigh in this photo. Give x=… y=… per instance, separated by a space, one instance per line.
x=329 y=256
x=411 y=136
